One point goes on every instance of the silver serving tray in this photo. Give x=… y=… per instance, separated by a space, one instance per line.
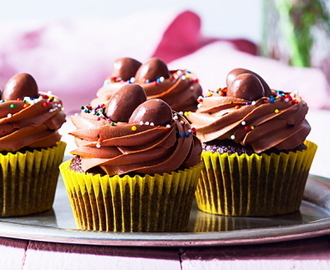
x=57 y=225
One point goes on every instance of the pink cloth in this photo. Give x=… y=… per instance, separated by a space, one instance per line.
x=71 y=58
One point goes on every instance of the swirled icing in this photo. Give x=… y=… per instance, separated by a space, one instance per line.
x=273 y=119
x=179 y=88
x=151 y=139
x=28 y=118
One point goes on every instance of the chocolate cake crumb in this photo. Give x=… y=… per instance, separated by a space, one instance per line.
x=230 y=147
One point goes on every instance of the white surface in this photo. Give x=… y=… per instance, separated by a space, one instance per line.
x=221 y=18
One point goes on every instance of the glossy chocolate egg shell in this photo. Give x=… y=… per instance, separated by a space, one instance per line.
x=246 y=86
x=232 y=75
x=19 y=86
x=124 y=101
x=125 y=68
x=154 y=111
x=152 y=70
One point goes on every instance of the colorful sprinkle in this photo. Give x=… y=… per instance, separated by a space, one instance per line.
x=185 y=134
x=133 y=128
x=12 y=106
x=276 y=111
x=131 y=80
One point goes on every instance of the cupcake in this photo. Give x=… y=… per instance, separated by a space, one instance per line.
x=136 y=166
x=178 y=88
x=30 y=146
x=256 y=157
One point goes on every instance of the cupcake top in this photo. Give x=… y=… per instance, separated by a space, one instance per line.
x=132 y=134
x=179 y=88
x=28 y=118
x=248 y=112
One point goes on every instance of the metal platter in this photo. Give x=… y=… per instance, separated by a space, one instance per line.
x=57 y=225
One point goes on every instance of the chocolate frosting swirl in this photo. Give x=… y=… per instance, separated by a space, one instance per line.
x=152 y=139
x=28 y=118
x=250 y=113
x=179 y=88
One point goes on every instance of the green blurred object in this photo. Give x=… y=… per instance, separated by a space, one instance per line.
x=297 y=32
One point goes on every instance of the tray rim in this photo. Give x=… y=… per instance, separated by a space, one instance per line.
x=262 y=235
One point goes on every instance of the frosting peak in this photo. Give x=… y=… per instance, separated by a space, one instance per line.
x=249 y=113
x=154 y=139
x=178 y=88
x=28 y=118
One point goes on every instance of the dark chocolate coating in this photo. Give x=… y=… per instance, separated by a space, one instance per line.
x=152 y=70
x=124 y=101
x=246 y=86
x=125 y=68
x=19 y=86
x=153 y=111
x=232 y=75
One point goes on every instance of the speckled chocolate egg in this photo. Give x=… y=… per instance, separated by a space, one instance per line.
x=232 y=75
x=246 y=86
x=124 y=101
x=154 y=111
x=125 y=68
x=19 y=86
x=152 y=70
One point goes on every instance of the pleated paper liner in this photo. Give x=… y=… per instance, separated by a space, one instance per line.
x=28 y=180
x=254 y=185
x=157 y=203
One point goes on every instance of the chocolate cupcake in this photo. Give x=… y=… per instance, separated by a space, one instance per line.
x=255 y=151
x=30 y=146
x=179 y=88
x=136 y=166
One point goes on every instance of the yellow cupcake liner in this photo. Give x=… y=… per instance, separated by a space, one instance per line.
x=28 y=180
x=253 y=185
x=150 y=203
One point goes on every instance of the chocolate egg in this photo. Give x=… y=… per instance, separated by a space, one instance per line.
x=152 y=70
x=124 y=101
x=232 y=75
x=154 y=111
x=19 y=86
x=125 y=68
x=246 y=86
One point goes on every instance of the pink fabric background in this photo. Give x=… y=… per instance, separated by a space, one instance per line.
x=71 y=58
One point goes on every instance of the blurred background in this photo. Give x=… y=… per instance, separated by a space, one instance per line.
x=223 y=18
